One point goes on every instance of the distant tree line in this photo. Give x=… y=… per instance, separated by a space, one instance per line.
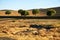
x=50 y=12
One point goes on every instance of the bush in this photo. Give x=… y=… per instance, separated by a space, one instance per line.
x=51 y=12
x=35 y=11
x=19 y=11
x=24 y=13
x=7 y=12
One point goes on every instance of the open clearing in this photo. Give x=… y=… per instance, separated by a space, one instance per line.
x=19 y=29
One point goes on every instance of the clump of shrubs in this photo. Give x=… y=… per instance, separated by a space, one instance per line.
x=23 y=12
x=8 y=12
x=19 y=11
x=35 y=11
x=51 y=12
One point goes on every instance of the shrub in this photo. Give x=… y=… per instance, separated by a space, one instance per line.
x=24 y=13
x=35 y=11
x=51 y=12
x=7 y=12
x=19 y=11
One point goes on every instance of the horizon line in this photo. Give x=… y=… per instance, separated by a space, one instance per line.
x=31 y=8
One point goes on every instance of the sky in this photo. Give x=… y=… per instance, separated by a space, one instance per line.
x=28 y=4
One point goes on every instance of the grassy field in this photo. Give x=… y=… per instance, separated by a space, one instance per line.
x=21 y=29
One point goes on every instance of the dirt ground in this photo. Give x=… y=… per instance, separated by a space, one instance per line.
x=22 y=29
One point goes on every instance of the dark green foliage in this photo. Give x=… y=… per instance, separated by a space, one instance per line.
x=51 y=12
x=24 y=13
x=35 y=11
x=19 y=11
x=7 y=12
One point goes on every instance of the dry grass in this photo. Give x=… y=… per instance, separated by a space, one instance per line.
x=19 y=29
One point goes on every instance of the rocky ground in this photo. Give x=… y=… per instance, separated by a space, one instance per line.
x=29 y=29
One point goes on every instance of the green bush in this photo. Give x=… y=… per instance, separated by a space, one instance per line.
x=24 y=13
x=19 y=11
x=35 y=11
x=51 y=12
x=8 y=12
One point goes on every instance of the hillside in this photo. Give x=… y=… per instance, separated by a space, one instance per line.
x=42 y=12
x=55 y=8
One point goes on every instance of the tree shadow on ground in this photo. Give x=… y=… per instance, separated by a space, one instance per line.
x=36 y=26
x=47 y=27
x=6 y=38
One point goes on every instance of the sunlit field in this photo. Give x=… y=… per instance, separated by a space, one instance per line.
x=29 y=29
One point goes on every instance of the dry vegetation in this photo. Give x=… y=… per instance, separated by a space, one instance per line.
x=15 y=13
x=41 y=13
x=29 y=29
x=21 y=29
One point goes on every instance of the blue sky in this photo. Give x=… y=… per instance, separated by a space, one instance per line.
x=28 y=4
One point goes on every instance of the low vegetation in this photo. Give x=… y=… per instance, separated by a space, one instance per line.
x=23 y=12
x=35 y=11
x=8 y=12
x=51 y=12
x=29 y=29
x=19 y=11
